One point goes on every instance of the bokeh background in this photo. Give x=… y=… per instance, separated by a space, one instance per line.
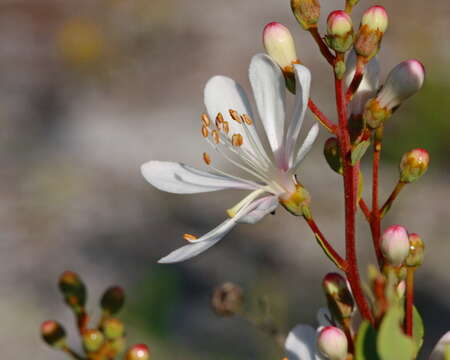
x=90 y=89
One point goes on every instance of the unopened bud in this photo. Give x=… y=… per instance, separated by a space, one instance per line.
x=333 y=155
x=307 y=12
x=442 y=349
x=227 y=299
x=332 y=343
x=138 y=352
x=112 y=300
x=339 y=299
x=73 y=289
x=395 y=244
x=339 y=31
x=403 y=81
x=416 y=251
x=113 y=328
x=92 y=340
x=297 y=202
x=374 y=24
x=53 y=334
x=279 y=45
x=413 y=165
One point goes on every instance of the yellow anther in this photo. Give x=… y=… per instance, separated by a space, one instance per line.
x=235 y=116
x=219 y=118
x=215 y=136
x=205 y=131
x=189 y=237
x=247 y=119
x=205 y=120
x=237 y=140
x=206 y=158
x=226 y=127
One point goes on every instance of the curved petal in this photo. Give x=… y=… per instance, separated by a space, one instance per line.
x=303 y=84
x=268 y=86
x=179 y=178
x=263 y=207
x=301 y=343
x=307 y=145
x=442 y=348
x=222 y=94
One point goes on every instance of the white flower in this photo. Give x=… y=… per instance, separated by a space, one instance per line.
x=442 y=349
x=301 y=343
x=271 y=174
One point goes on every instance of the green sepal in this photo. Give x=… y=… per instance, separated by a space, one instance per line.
x=418 y=330
x=359 y=150
x=366 y=342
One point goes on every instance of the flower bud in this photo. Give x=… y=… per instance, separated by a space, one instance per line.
x=416 y=251
x=53 y=334
x=373 y=26
x=395 y=244
x=279 y=45
x=92 y=340
x=332 y=343
x=297 y=202
x=442 y=349
x=73 y=289
x=112 y=300
x=339 y=299
x=307 y=12
x=403 y=81
x=138 y=352
x=339 y=31
x=113 y=328
x=227 y=299
x=413 y=165
x=333 y=155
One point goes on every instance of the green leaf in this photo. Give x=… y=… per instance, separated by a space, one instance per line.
x=418 y=329
x=366 y=342
x=359 y=150
x=391 y=342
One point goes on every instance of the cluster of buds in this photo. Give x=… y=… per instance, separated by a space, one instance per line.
x=105 y=341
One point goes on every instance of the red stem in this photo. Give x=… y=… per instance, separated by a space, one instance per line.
x=365 y=209
x=409 y=301
x=375 y=224
x=350 y=188
x=387 y=205
x=322 y=118
x=357 y=78
x=322 y=46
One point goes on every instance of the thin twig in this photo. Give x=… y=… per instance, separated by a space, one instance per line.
x=322 y=46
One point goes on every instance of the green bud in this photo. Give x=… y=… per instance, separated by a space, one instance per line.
x=332 y=154
x=339 y=31
x=416 y=251
x=373 y=26
x=113 y=328
x=339 y=298
x=307 y=12
x=73 y=290
x=227 y=299
x=92 y=340
x=339 y=69
x=413 y=165
x=138 y=352
x=297 y=203
x=53 y=334
x=112 y=300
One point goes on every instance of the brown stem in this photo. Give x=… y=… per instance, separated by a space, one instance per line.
x=409 y=301
x=387 y=205
x=322 y=46
x=322 y=118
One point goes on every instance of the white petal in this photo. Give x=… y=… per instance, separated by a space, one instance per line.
x=182 y=179
x=268 y=86
x=263 y=207
x=324 y=317
x=440 y=348
x=307 y=145
x=301 y=343
x=303 y=84
x=222 y=94
x=205 y=242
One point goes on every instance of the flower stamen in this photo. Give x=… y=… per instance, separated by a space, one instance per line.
x=189 y=237
x=235 y=116
x=237 y=140
x=205 y=120
x=206 y=158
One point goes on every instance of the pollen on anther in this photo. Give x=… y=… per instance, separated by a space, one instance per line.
x=189 y=237
x=235 y=116
x=237 y=140
x=205 y=131
x=206 y=158
x=205 y=120
x=226 y=127
x=247 y=119
x=215 y=136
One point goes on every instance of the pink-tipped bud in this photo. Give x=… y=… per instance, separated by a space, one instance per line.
x=279 y=44
x=413 y=165
x=307 y=12
x=395 y=244
x=403 y=81
x=53 y=334
x=416 y=251
x=442 y=349
x=375 y=18
x=138 y=352
x=339 y=31
x=332 y=343
x=339 y=298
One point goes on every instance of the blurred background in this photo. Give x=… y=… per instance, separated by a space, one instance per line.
x=91 y=89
